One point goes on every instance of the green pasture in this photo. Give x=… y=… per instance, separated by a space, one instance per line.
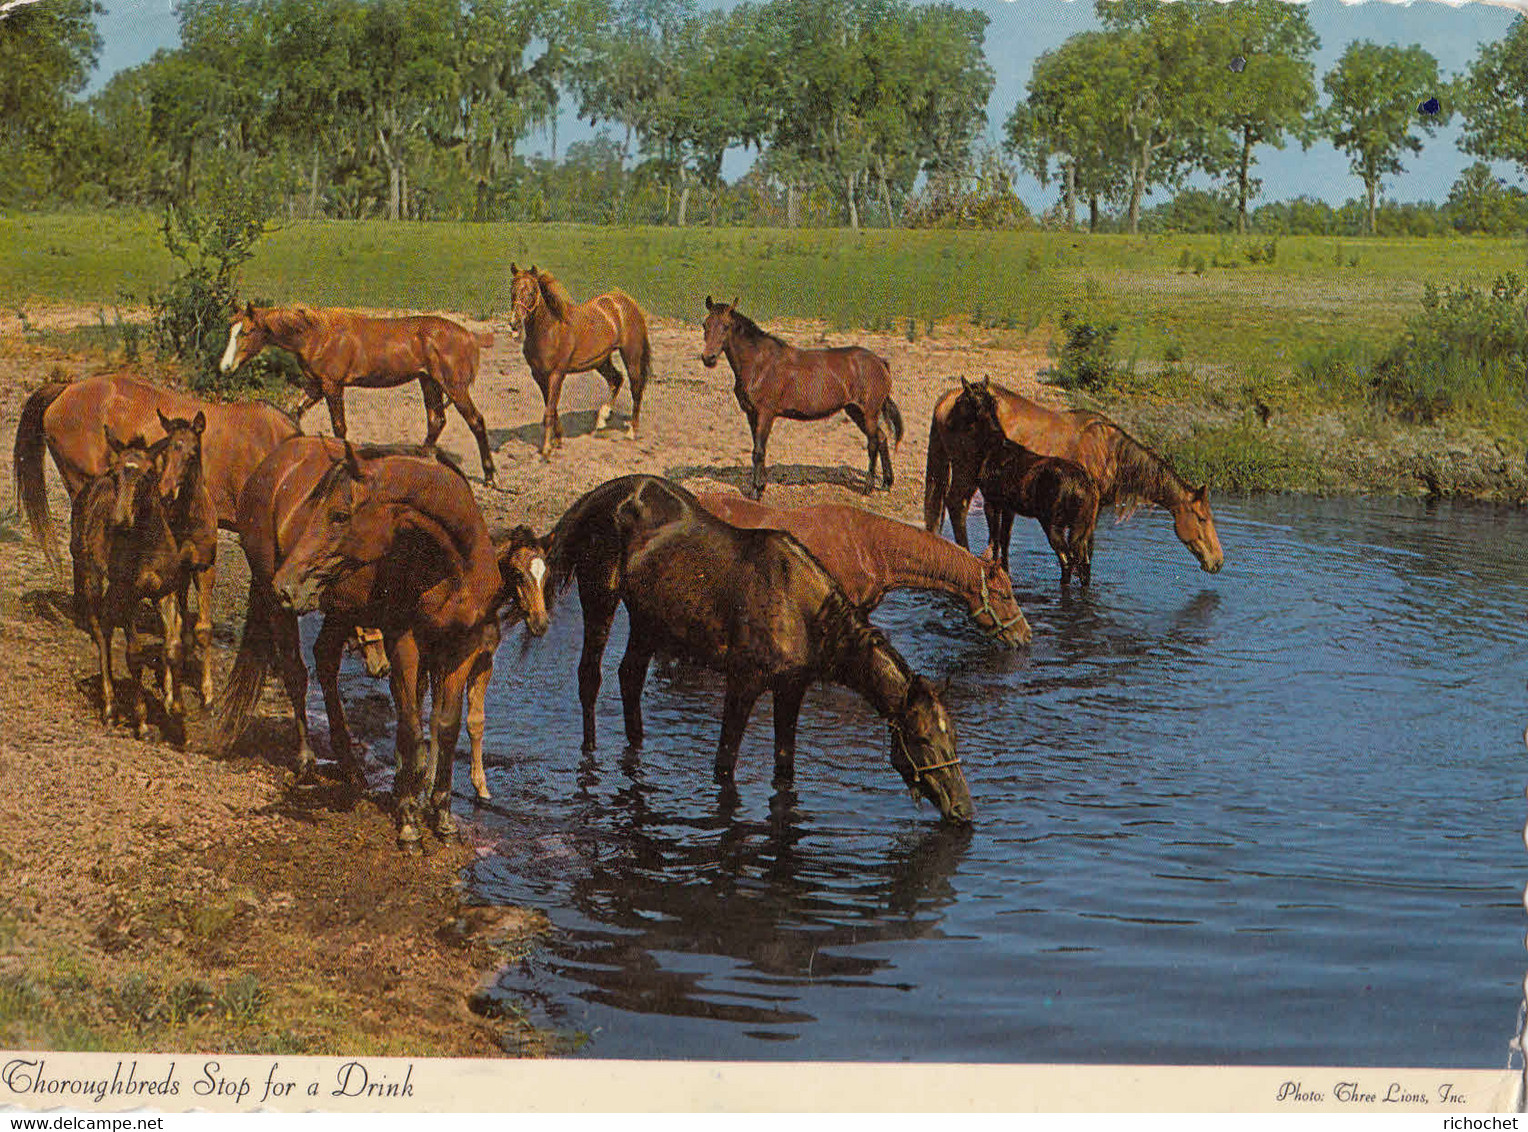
x=1195 y=295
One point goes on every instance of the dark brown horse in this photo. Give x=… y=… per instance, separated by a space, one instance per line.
x=390 y=538
x=774 y=379
x=1124 y=470
x=752 y=604
x=563 y=337
x=868 y=554
x=1014 y=481
x=336 y=348
x=137 y=534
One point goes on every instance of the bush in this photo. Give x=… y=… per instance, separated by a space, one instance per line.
x=1086 y=360
x=1464 y=349
x=212 y=236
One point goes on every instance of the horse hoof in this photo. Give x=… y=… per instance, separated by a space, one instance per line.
x=408 y=836
x=443 y=821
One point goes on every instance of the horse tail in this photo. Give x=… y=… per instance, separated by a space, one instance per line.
x=31 y=492
x=936 y=477
x=256 y=652
x=893 y=417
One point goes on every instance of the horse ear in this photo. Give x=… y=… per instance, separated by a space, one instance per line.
x=352 y=464
x=734 y=302
x=710 y=306
x=199 y=423
x=111 y=441
x=513 y=270
x=964 y=384
x=1202 y=493
x=986 y=382
x=535 y=270
x=164 y=421
x=249 y=309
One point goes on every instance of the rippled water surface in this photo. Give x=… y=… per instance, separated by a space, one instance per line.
x=1269 y=816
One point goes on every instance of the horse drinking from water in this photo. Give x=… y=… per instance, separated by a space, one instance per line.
x=869 y=554
x=139 y=533
x=1124 y=470
x=751 y=604
x=336 y=348
x=774 y=379
x=563 y=337
x=391 y=538
x=1014 y=481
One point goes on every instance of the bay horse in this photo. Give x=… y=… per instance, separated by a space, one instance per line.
x=137 y=534
x=392 y=538
x=1014 y=481
x=1124 y=470
x=868 y=554
x=774 y=379
x=337 y=348
x=71 y=420
x=562 y=337
x=751 y=604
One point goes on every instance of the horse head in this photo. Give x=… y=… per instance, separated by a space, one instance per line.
x=999 y=615
x=1195 y=527
x=341 y=535
x=179 y=455
x=248 y=334
x=923 y=752
x=522 y=565
x=129 y=465
x=524 y=297
x=975 y=410
x=718 y=329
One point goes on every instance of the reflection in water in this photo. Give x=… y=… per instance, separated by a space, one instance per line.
x=1265 y=817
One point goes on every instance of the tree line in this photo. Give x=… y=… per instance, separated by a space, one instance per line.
x=856 y=111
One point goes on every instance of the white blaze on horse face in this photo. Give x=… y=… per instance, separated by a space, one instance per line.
x=538 y=570
x=225 y=363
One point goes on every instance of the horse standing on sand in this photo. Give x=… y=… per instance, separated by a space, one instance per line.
x=391 y=538
x=336 y=348
x=774 y=379
x=751 y=604
x=1014 y=481
x=72 y=421
x=563 y=337
x=1124 y=470
x=139 y=533
x=868 y=554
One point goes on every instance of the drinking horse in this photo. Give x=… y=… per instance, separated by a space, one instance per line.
x=868 y=554
x=72 y=421
x=139 y=532
x=1014 y=481
x=391 y=538
x=1124 y=470
x=563 y=337
x=774 y=379
x=338 y=348
x=751 y=604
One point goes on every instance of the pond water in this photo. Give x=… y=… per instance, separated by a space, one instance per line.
x=1270 y=816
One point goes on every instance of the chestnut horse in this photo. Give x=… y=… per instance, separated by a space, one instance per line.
x=773 y=379
x=563 y=337
x=869 y=554
x=336 y=348
x=1124 y=470
x=138 y=533
x=1014 y=481
x=71 y=421
x=751 y=604
x=391 y=538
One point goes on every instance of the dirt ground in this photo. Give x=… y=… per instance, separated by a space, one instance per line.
x=159 y=898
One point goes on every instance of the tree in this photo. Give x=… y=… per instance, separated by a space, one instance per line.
x=1373 y=115
x=1494 y=99
x=47 y=52
x=1481 y=202
x=1275 y=92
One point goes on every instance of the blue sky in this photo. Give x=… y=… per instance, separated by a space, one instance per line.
x=1021 y=30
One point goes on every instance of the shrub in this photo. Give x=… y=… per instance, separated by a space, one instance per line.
x=212 y=236
x=1086 y=359
x=1464 y=348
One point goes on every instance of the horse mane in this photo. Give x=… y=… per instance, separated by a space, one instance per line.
x=419 y=451
x=752 y=330
x=506 y=542
x=558 y=299
x=287 y=320
x=847 y=636
x=1141 y=476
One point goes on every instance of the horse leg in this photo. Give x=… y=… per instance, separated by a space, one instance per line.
x=599 y=615
x=201 y=632
x=135 y=673
x=445 y=728
x=1055 y=534
x=551 y=426
x=760 y=442
x=102 y=636
x=174 y=665
x=994 y=516
x=1085 y=558
x=327 y=651
x=408 y=771
x=887 y=479
x=612 y=378
x=633 y=674
x=788 y=699
x=857 y=415
x=294 y=674
x=736 y=708
x=636 y=377
x=477 y=716
x=434 y=409
x=957 y=499
x=463 y=402
x=336 y=403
